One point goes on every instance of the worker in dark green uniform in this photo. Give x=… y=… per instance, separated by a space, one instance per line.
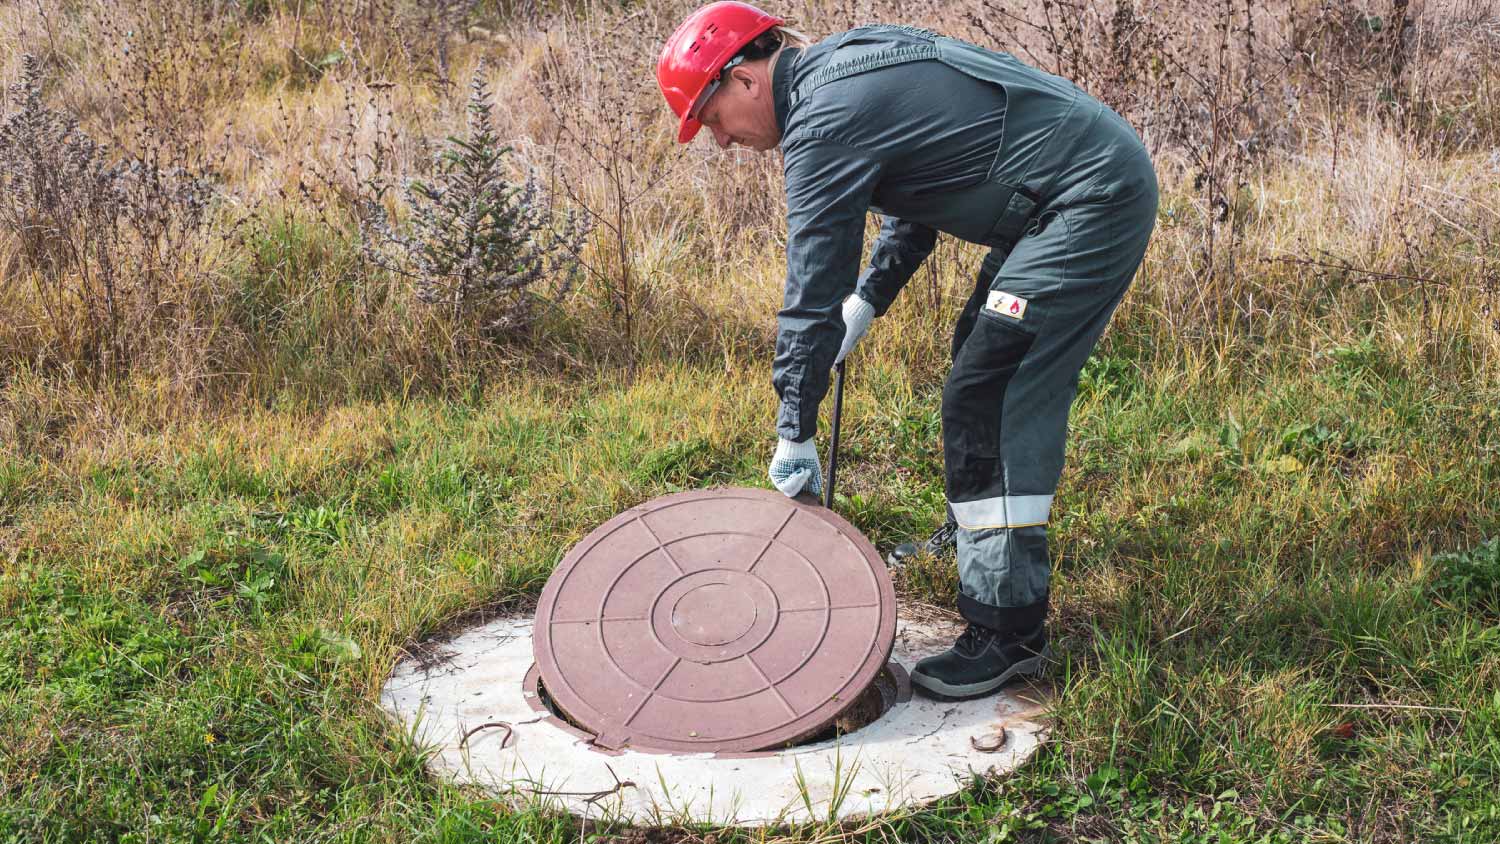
x=936 y=135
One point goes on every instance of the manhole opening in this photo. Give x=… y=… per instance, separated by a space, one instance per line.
x=889 y=688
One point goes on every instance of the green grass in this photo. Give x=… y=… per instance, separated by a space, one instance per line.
x=1276 y=617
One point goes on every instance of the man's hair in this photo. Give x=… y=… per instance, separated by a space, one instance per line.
x=773 y=41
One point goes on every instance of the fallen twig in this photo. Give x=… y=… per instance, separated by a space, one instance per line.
x=510 y=733
x=591 y=797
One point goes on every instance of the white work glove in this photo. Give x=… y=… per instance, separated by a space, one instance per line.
x=795 y=467
x=858 y=314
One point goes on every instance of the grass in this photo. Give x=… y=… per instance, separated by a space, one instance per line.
x=1261 y=635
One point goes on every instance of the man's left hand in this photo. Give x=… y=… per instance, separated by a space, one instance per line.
x=858 y=314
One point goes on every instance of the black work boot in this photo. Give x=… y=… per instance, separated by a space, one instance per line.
x=981 y=661
x=944 y=540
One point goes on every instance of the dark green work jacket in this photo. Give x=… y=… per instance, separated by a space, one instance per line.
x=934 y=134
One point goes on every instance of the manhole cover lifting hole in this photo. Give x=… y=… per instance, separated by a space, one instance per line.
x=719 y=620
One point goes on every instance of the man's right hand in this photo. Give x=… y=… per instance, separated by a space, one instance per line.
x=858 y=314
x=794 y=468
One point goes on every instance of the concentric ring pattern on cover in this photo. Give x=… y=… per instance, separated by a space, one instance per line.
x=721 y=620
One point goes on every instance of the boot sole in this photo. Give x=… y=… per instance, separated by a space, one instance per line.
x=938 y=689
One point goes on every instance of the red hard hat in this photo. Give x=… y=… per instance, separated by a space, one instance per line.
x=698 y=51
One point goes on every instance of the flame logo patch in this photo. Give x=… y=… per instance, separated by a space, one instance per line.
x=1006 y=305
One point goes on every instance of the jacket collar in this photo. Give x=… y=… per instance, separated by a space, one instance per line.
x=781 y=84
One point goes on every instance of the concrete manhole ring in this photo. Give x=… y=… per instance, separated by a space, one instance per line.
x=470 y=707
x=731 y=619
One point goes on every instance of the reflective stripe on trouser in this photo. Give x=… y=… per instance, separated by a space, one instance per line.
x=1006 y=403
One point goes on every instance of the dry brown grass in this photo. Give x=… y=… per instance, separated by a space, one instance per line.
x=1325 y=164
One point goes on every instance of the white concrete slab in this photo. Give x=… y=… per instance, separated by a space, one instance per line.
x=917 y=752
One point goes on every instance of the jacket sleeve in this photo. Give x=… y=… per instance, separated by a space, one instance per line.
x=828 y=190
x=900 y=250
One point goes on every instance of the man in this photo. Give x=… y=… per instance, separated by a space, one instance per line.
x=936 y=136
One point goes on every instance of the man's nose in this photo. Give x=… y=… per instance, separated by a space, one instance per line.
x=721 y=138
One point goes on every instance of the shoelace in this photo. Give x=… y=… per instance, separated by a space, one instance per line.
x=943 y=535
x=973 y=639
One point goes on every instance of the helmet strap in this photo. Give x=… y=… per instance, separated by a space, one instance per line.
x=713 y=85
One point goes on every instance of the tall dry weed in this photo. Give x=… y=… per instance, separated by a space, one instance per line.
x=107 y=250
x=619 y=177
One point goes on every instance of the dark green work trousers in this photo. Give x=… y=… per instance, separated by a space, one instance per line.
x=1033 y=319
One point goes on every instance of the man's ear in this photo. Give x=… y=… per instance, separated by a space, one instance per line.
x=741 y=75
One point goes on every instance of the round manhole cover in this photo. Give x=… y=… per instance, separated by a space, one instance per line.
x=722 y=620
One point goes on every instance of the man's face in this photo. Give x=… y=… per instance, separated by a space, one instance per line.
x=741 y=111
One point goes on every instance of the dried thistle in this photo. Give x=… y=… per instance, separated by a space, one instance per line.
x=100 y=241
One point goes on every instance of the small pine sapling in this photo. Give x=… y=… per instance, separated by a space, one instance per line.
x=485 y=249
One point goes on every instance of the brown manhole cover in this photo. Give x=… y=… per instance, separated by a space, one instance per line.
x=722 y=620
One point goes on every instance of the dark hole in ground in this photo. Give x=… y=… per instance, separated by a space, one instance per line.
x=876 y=700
